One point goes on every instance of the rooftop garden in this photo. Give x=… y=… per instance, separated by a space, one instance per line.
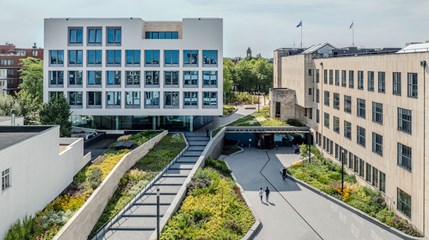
x=46 y=223
x=213 y=207
x=325 y=175
x=140 y=175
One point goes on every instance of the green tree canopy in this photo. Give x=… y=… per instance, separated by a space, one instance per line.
x=7 y=103
x=31 y=89
x=57 y=112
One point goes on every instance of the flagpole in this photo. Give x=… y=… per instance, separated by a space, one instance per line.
x=301 y=35
x=353 y=34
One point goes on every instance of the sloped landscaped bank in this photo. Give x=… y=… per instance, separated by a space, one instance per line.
x=325 y=175
x=212 y=209
x=46 y=223
x=140 y=175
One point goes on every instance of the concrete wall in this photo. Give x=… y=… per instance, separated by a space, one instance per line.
x=82 y=222
x=287 y=99
x=39 y=172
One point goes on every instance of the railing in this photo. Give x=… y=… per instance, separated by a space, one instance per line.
x=105 y=228
x=260 y=129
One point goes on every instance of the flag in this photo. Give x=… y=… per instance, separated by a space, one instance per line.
x=351 y=25
x=299 y=24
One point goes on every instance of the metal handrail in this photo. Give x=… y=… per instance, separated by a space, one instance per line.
x=105 y=227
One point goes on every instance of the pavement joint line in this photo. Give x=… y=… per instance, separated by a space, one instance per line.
x=260 y=171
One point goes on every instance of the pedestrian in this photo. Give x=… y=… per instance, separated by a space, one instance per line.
x=284 y=174
x=207 y=133
x=267 y=193
x=261 y=193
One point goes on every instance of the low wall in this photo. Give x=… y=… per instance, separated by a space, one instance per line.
x=213 y=149
x=82 y=222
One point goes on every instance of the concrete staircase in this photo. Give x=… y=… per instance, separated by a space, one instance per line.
x=139 y=221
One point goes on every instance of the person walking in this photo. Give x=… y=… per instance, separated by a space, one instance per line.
x=261 y=193
x=284 y=173
x=267 y=193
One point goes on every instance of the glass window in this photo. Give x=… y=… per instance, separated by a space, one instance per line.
x=132 y=99
x=368 y=174
x=361 y=136
x=331 y=77
x=56 y=57
x=94 y=57
x=132 y=57
x=151 y=99
x=404 y=156
x=397 y=83
x=405 y=120
x=337 y=77
x=382 y=184
x=171 y=99
x=210 y=78
x=190 y=57
x=371 y=81
x=209 y=99
x=325 y=76
x=336 y=124
x=171 y=57
x=55 y=95
x=113 y=57
x=171 y=78
x=152 y=57
x=190 y=78
x=350 y=160
x=94 y=78
x=347 y=130
x=351 y=79
x=210 y=57
x=326 y=120
x=94 y=99
x=162 y=35
x=113 y=99
x=75 y=99
x=374 y=177
x=361 y=168
x=190 y=99
x=5 y=179
x=75 y=78
x=377 y=144
x=56 y=78
x=75 y=57
x=113 y=36
x=317 y=115
x=344 y=78
x=356 y=164
x=317 y=95
x=361 y=108
x=113 y=78
x=347 y=104
x=412 y=88
x=132 y=78
x=360 y=80
x=326 y=98
x=94 y=36
x=336 y=101
x=152 y=78
x=75 y=35
x=381 y=82
x=317 y=75
x=377 y=112
x=404 y=203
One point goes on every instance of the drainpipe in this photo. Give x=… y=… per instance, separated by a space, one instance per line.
x=423 y=64
x=321 y=114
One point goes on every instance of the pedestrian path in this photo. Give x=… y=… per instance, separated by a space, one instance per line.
x=295 y=212
x=139 y=221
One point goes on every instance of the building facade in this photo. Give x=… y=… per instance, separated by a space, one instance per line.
x=10 y=57
x=36 y=166
x=370 y=108
x=3 y=81
x=127 y=73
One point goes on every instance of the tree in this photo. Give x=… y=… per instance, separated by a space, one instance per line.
x=228 y=78
x=7 y=104
x=31 y=89
x=57 y=112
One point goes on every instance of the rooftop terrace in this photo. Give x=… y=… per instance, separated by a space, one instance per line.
x=10 y=135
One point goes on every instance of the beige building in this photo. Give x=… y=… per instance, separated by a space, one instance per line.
x=369 y=106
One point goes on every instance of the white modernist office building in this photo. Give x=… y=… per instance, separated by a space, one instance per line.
x=36 y=166
x=127 y=73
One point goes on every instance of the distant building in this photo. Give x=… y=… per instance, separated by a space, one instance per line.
x=368 y=107
x=3 y=81
x=9 y=60
x=127 y=73
x=36 y=166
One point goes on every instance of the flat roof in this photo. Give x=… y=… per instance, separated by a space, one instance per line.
x=10 y=135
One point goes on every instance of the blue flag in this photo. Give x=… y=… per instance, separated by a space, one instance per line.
x=299 y=24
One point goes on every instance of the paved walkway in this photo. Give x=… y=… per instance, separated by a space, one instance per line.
x=293 y=211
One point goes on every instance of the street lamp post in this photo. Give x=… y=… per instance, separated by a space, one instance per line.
x=309 y=151
x=342 y=170
x=157 y=214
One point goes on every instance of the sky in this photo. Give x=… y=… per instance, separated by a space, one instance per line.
x=262 y=25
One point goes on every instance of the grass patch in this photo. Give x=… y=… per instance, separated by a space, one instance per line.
x=212 y=209
x=325 y=175
x=229 y=109
x=140 y=175
x=46 y=223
